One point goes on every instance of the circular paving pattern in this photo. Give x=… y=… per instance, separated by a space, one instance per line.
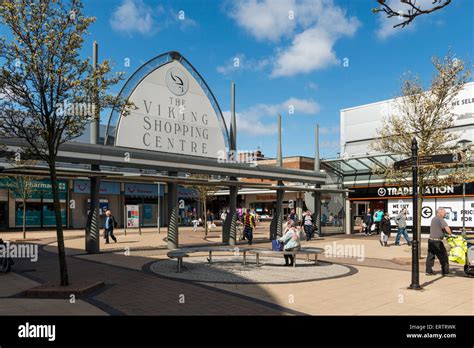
x=229 y=269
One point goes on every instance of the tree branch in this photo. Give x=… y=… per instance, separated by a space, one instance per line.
x=413 y=12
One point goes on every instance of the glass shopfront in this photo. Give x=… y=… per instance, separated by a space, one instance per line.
x=39 y=206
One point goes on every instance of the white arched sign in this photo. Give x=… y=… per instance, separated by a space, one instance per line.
x=172 y=114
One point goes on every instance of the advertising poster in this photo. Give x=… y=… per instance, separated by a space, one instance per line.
x=453 y=206
x=133 y=215
x=103 y=206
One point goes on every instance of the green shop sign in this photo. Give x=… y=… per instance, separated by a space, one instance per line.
x=39 y=188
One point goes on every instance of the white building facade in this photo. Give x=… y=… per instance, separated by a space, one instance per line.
x=359 y=125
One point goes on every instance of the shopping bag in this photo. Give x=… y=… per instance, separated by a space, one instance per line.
x=277 y=245
x=372 y=228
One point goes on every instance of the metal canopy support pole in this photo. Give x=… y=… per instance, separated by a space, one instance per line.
x=317 y=194
x=415 y=250
x=276 y=225
x=158 y=209
x=173 y=213
x=230 y=237
x=229 y=230
x=92 y=228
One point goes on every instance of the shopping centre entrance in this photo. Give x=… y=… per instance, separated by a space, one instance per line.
x=175 y=134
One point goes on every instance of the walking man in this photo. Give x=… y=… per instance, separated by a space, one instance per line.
x=109 y=227
x=435 y=244
x=401 y=221
x=249 y=223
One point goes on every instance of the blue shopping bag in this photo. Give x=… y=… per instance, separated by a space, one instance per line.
x=277 y=245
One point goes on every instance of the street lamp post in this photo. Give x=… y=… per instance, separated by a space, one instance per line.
x=415 y=271
x=464 y=144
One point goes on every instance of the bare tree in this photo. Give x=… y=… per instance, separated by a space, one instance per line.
x=413 y=10
x=50 y=92
x=426 y=115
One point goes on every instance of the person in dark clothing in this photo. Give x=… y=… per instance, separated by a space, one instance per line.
x=385 y=229
x=109 y=227
x=435 y=244
x=293 y=217
x=368 y=223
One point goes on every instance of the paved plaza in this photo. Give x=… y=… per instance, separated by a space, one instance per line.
x=355 y=276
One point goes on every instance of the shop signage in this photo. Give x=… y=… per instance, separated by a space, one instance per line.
x=172 y=114
x=41 y=188
x=106 y=188
x=266 y=197
x=431 y=160
x=38 y=185
x=384 y=192
x=143 y=190
x=187 y=193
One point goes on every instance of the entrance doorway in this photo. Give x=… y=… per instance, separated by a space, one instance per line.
x=359 y=209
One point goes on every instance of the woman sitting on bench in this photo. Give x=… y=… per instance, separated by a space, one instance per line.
x=291 y=241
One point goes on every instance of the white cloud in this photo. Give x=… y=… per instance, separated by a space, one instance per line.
x=265 y=20
x=133 y=16
x=248 y=125
x=315 y=28
x=310 y=50
x=241 y=63
x=297 y=106
x=250 y=120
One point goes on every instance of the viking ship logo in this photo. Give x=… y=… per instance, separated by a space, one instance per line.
x=177 y=81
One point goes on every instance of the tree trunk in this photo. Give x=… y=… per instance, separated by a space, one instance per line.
x=24 y=218
x=59 y=226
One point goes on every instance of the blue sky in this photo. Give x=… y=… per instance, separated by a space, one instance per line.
x=285 y=58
